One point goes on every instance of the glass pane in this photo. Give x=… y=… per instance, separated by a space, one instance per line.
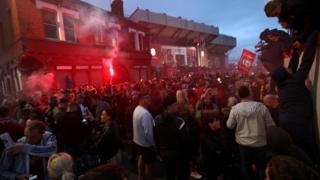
x=68 y=22
x=49 y=17
x=70 y=35
x=140 y=42
x=51 y=31
x=133 y=40
x=1 y=37
x=98 y=35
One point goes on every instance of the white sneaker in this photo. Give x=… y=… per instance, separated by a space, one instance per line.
x=195 y=175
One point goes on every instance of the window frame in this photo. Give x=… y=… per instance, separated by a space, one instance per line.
x=2 y=44
x=57 y=23
x=99 y=35
x=60 y=11
x=138 y=42
x=64 y=14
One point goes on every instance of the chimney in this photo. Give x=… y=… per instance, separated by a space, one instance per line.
x=117 y=7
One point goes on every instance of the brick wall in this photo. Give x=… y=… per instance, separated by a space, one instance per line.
x=31 y=23
x=30 y=19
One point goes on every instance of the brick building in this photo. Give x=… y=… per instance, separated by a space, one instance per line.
x=72 y=40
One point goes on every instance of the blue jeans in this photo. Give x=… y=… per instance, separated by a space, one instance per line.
x=252 y=156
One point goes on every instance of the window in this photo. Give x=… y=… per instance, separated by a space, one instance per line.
x=10 y=23
x=137 y=39
x=50 y=24
x=140 y=36
x=98 y=37
x=69 y=28
x=114 y=38
x=1 y=37
x=133 y=40
x=59 y=22
x=114 y=33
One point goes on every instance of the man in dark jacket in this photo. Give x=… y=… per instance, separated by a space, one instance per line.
x=72 y=133
x=173 y=141
x=296 y=107
x=213 y=150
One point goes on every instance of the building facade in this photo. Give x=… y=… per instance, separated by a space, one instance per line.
x=70 y=41
x=178 y=42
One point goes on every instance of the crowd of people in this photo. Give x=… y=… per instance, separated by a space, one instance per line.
x=203 y=124
x=182 y=123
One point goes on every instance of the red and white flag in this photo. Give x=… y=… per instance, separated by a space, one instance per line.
x=246 y=61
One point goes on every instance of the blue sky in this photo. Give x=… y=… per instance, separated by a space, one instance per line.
x=243 y=19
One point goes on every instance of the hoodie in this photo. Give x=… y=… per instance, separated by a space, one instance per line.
x=251 y=119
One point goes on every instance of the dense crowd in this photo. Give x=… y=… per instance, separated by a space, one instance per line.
x=182 y=122
x=201 y=124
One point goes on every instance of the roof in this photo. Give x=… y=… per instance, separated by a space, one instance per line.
x=222 y=43
x=164 y=26
x=225 y=40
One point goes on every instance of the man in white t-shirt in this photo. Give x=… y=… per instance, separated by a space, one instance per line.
x=143 y=137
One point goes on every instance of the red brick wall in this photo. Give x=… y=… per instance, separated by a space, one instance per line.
x=30 y=19
x=31 y=26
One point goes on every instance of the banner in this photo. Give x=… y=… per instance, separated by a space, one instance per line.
x=246 y=61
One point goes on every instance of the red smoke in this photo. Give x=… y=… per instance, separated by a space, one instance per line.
x=40 y=82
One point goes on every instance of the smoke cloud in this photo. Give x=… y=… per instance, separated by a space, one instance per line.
x=40 y=82
x=95 y=19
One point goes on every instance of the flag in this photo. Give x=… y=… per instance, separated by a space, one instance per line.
x=246 y=61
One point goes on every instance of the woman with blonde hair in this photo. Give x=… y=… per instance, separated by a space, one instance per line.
x=60 y=167
x=185 y=108
x=186 y=111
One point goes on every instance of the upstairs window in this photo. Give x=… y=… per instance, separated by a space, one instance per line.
x=114 y=38
x=50 y=24
x=114 y=30
x=69 y=28
x=59 y=22
x=10 y=23
x=137 y=38
x=1 y=37
x=140 y=37
x=133 y=40
x=98 y=36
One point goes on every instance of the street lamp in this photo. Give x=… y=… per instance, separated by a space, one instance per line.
x=201 y=57
x=153 y=52
x=202 y=53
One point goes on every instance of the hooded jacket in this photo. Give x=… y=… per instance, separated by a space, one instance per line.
x=251 y=120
